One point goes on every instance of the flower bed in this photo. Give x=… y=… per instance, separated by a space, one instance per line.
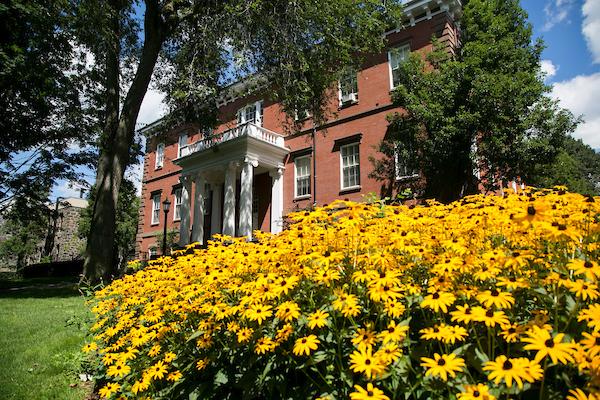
x=488 y=297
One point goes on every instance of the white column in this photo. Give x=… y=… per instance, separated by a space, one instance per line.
x=276 y=200
x=215 y=217
x=199 y=195
x=229 y=203
x=245 y=222
x=184 y=224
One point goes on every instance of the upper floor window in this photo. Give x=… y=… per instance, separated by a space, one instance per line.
x=348 y=87
x=177 y=205
x=302 y=173
x=182 y=143
x=155 y=209
x=396 y=56
x=251 y=113
x=350 y=166
x=160 y=156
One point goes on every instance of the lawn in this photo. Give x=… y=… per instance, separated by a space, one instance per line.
x=42 y=329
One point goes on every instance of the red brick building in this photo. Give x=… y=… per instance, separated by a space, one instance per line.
x=248 y=173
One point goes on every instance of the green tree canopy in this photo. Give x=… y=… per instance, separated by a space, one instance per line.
x=484 y=108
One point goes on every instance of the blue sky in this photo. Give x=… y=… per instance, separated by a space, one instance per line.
x=571 y=31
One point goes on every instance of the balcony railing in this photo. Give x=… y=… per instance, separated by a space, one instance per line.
x=248 y=129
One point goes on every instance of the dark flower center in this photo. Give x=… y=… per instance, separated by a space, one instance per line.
x=303 y=341
x=588 y=264
x=598 y=341
x=370 y=393
x=549 y=343
x=441 y=362
x=436 y=296
x=489 y=313
x=507 y=365
x=368 y=362
x=531 y=210
x=476 y=393
x=494 y=293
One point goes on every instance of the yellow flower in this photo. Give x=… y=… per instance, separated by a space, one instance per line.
x=578 y=394
x=305 y=345
x=118 y=369
x=259 y=313
x=511 y=370
x=438 y=301
x=108 y=389
x=157 y=371
x=496 y=298
x=90 y=347
x=370 y=393
x=476 y=392
x=288 y=311
x=264 y=345
x=318 y=319
x=244 y=334
x=363 y=360
x=540 y=339
x=442 y=366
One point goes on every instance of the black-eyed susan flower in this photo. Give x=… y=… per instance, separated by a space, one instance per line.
x=462 y=314
x=578 y=394
x=288 y=311
x=109 y=389
x=443 y=365
x=438 y=301
x=264 y=345
x=370 y=393
x=476 y=392
x=541 y=340
x=496 y=298
x=590 y=269
x=157 y=371
x=583 y=289
x=490 y=317
x=363 y=360
x=305 y=345
x=244 y=334
x=364 y=337
x=318 y=319
x=508 y=370
x=393 y=333
x=259 y=312
x=119 y=370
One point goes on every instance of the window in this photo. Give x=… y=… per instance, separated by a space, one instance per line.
x=155 y=209
x=403 y=167
x=177 y=205
x=152 y=252
x=160 y=156
x=348 y=87
x=396 y=57
x=182 y=143
x=350 y=166
x=252 y=113
x=302 y=171
x=300 y=115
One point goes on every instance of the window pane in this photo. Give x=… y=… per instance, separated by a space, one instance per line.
x=350 y=166
x=302 y=176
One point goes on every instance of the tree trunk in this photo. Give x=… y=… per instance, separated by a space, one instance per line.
x=118 y=137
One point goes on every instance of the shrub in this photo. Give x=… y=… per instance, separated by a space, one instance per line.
x=488 y=296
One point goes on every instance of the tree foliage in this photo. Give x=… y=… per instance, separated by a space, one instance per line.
x=484 y=108
x=577 y=167
x=297 y=46
x=127 y=221
x=45 y=117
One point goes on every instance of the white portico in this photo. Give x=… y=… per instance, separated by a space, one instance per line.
x=214 y=167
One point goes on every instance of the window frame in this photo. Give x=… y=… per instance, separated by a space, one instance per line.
x=242 y=113
x=159 y=161
x=177 y=201
x=156 y=221
x=343 y=167
x=297 y=177
x=351 y=75
x=402 y=47
x=179 y=141
x=397 y=176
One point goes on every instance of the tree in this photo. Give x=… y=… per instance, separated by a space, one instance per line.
x=298 y=46
x=577 y=167
x=23 y=230
x=126 y=217
x=484 y=108
x=45 y=118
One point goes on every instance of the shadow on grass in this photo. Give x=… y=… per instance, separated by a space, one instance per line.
x=39 y=288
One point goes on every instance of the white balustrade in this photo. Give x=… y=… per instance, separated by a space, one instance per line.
x=247 y=129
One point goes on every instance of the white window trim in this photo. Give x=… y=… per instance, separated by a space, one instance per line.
x=397 y=169
x=342 y=188
x=179 y=146
x=159 y=162
x=151 y=250
x=175 y=204
x=258 y=113
x=304 y=196
x=342 y=104
x=389 y=54
x=157 y=221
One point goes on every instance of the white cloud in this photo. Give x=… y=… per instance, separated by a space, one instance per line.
x=66 y=189
x=591 y=27
x=153 y=107
x=580 y=95
x=556 y=12
x=549 y=69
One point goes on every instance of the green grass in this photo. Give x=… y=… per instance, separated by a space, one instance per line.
x=42 y=329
